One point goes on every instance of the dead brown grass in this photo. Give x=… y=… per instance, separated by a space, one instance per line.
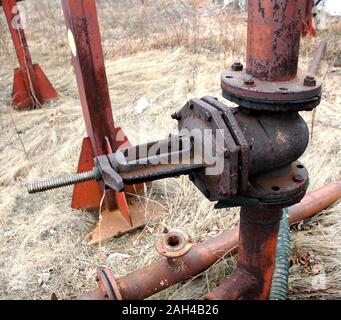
x=41 y=239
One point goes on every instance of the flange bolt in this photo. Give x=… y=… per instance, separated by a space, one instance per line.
x=298 y=178
x=237 y=66
x=310 y=81
x=249 y=82
x=208 y=116
x=176 y=116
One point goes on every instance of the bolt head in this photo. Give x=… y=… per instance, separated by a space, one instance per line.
x=309 y=81
x=249 y=82
x=208 y=116
x=237 y=66
x=298 y=178
x=176 y=116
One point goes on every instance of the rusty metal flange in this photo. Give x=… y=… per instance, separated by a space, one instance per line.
x=173 y=243
x=239 y=138
x=280 y=187
x=281 y=96
x=107 y=284
x=199 y=115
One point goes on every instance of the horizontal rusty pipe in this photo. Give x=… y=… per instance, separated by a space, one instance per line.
x=314 y=202
x=159 y=276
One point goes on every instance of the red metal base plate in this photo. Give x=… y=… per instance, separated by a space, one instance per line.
x=22 y=97
x=113 y=224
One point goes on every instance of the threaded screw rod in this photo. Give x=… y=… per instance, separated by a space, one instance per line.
x=56 y=183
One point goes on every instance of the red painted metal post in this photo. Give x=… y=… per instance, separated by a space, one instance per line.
x=31 y=87
x=103 y=137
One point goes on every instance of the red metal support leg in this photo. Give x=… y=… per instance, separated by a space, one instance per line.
x=31 y=87
x=120 y=214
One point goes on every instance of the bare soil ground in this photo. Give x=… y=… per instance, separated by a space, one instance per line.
x=168 y=57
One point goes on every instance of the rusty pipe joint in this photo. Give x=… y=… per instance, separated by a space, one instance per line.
x=173 y=243
x=271 y=80
x=240 y=283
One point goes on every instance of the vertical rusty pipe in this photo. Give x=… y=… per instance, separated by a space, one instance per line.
x=273 y=40
x=258 y=234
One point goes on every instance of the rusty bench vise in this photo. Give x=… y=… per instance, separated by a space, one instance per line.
x=256 y=154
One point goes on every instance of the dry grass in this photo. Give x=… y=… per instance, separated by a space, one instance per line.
x=41 y=239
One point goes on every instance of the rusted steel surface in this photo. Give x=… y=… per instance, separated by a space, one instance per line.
x=252 y=145
x=200 y=115
x=238 y=135
x=173 y=244
x=112 y=223
x=4 y=0
x=154 y=278
x=307 y=23
x=275 y=139
x=107 y=284
x=312 y=203
x=234 y=288
x=315 y=202
x=86 y=195
x=270 y=81
x=258 y=235
x=266 y=95
x=160 y=275
x=31 y=88
x=318 y=56
x=274 y=31
x=280 y=187
x=88 y=60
